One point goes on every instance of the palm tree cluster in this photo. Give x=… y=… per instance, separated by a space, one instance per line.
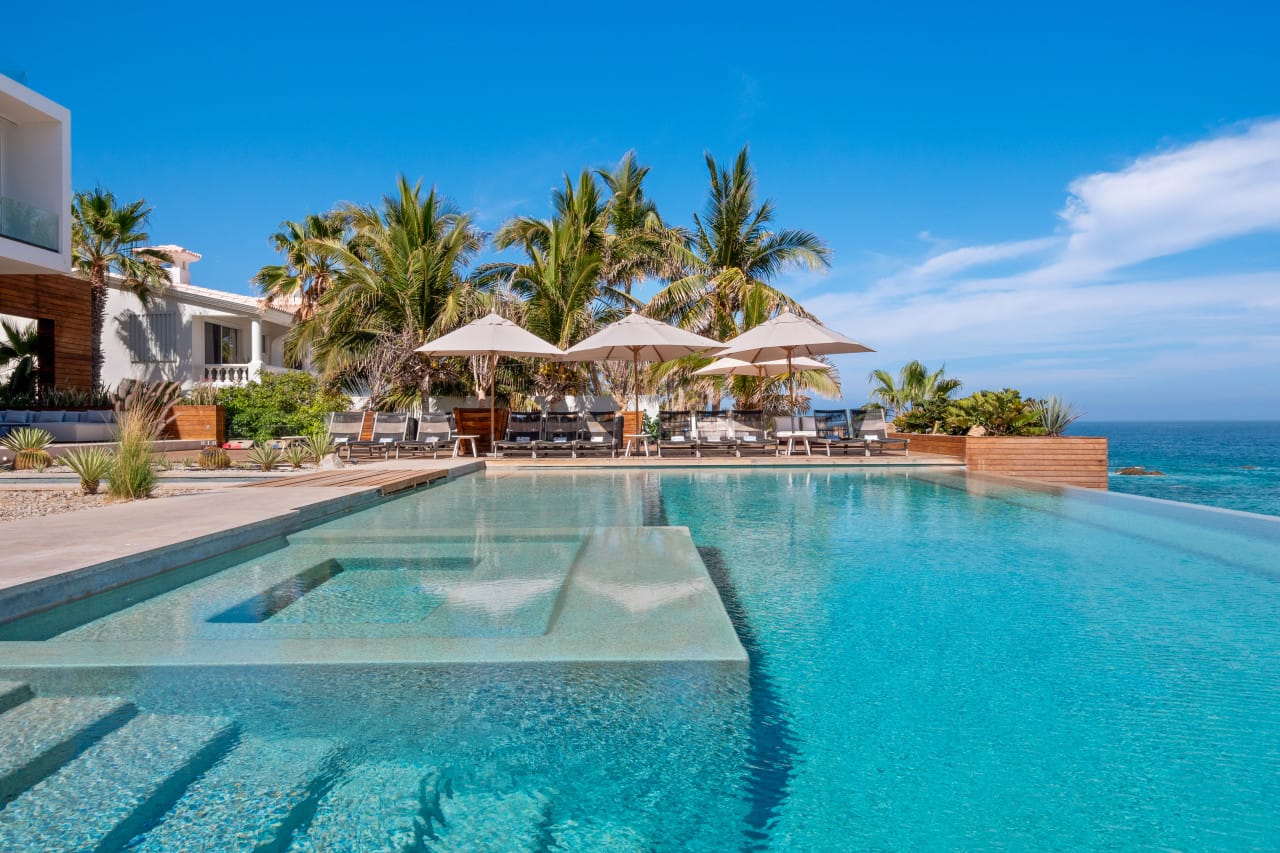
x=370 y=284
x=914 y=386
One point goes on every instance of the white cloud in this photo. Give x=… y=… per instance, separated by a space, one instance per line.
x=1070 y=307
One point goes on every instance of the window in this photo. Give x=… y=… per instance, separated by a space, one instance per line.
x=221 y=344
x=153 y=337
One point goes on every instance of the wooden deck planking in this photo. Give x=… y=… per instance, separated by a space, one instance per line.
x=387 y=482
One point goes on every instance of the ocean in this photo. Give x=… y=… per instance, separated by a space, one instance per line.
x=1230 y=465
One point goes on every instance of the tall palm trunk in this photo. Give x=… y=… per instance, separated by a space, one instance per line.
x=98 y=321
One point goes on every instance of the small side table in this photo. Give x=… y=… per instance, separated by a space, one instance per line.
x=457 y=445
x=631 y=440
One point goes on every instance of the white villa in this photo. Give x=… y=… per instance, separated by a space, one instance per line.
x=192 y=334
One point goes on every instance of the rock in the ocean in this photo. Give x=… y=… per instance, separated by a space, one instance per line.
x=1139 y=471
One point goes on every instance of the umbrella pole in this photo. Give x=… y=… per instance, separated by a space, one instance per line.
x=635 y=386
x=791 y=376
x=493 y=375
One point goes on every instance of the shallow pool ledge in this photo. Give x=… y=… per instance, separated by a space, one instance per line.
x=59 y=558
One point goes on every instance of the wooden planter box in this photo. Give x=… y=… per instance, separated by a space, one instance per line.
x=198 y=423
x=476 y=422
x=1069 y=460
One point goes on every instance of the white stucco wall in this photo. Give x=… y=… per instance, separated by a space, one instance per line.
x=191 y=318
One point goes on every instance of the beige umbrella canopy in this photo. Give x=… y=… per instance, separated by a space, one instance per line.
x=785 y=337
x=493 y=336
x=638 y=338
x=760 y=369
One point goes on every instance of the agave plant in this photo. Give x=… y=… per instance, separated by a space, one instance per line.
x=318 y=445
x=28 y=445
x=1056 y=414
x=92 y=464
x=297 y=455
x=265 y=456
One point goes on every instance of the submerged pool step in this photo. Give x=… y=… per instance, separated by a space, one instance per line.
x=380 y=806
x=107 y=795
x=575 y=837
x=44 y=733
x=491 y=823
x=13 y=693
x=251 y=800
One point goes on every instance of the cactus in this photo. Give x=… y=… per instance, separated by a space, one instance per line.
x=214 y=459
x=29 y=443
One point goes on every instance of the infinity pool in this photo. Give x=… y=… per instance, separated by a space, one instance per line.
x=936 y=662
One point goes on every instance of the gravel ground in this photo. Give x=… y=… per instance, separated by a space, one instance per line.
x=31 y=503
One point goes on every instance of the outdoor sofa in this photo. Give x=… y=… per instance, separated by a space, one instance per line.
x=94 y=425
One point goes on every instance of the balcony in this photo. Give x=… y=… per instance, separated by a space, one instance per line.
x=28 y=224
x=228 y=375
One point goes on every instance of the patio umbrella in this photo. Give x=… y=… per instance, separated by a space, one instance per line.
x=785 y=337
x=759 y=369
x=493 y=336
x=639 y=338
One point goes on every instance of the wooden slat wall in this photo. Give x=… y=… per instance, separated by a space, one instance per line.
x=1069 y=460
x=64 y=300
x=1073 y=461
x=943 y=445
x=476 y=422
x=199 y=423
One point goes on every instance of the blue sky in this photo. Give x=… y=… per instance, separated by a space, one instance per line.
x=1081 y=200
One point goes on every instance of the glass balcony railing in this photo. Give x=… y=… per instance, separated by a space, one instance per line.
x=28 y=224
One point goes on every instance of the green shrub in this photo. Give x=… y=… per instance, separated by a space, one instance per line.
x=265 y=456
x=132 y=476
x=930 y=416
x=998 y=412
x=214 y=459
x=143 y=410
x=279 y=404
x=29 y=443
x=92 y=464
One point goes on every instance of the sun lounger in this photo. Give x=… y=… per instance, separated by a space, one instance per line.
x=596 y=438
x=715 y=435
x=345 y=427
x=750 y=434
x=873 y=429
x=433 y=435
x=676 y=433
x=832 y=433
x=388 y=428
x=560 y=433
x=795 y=432
x=524 y=429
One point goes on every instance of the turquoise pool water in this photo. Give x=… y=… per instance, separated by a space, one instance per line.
x=937 y=662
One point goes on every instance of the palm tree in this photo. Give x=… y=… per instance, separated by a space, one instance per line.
x=560 y=289
x=733 y=256
x=18 y=352
x=306 y=273
x=915 y=385
x=638 y=244
x=397 y=281
x=106 y=240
